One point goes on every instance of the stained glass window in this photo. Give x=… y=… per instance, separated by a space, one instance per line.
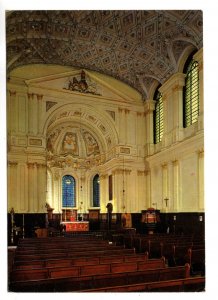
x=68 y=191
x=158 y=117
x=191 y=94
x=96 y=191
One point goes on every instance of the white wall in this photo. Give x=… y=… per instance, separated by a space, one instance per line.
x=122 y=126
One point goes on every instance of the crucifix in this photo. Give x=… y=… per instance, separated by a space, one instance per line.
x=166 y=199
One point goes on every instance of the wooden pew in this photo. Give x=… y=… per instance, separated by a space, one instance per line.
x=79 y=261
x=178 y=285
x=196 y=259
x=71 y=254
x=66 y=249
x=100 y=281
x=82 y=270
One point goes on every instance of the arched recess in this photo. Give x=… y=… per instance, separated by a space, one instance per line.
x=84 y=117
x=94 y=135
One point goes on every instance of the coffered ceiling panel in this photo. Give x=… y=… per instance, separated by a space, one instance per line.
x=136 y=47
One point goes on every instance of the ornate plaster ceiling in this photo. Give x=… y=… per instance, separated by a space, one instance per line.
x=136 y=47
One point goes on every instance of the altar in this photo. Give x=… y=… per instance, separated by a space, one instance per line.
x=76 y=225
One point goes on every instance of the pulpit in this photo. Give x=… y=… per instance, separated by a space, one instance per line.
x=150 y=218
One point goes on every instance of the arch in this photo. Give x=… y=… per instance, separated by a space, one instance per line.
x=97 y=121
x=184 y=57
x=154 y=87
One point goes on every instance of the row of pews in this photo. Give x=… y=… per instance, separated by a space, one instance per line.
x=91 y=264
x=177 y=250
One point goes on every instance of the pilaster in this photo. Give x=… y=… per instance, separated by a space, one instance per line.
x=40 y=113
x=201 y=179
x=121 y=113
x=13 y=111
x=165 y=186
x=12 y=184
x=149 y=124
x=176 y=196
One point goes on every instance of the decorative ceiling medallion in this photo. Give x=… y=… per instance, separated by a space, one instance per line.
x=82 y=85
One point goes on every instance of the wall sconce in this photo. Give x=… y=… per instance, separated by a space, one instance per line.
x=174 y=218
x=200 y=218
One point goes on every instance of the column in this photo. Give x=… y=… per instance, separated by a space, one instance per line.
x=22 y=180
x=127 y=125
x=30 y=112
x=141 y=191
x=12 y=184
x=201 y=179
x=199 y=57
x=41 y=193
x=22 y=114
x=178 y=112
x=148 y=202
x=149 y=124
x=132 y=191
x=103 y=192
x=127 y=187
x=31 y=186
x=176 y=198
x=35 y=114
x=13 y=112
x=118 y=187
x=40 y=114
x=140 y=132
x=57 y=185
x=49 y=189
x=121 y=112
x=165 y=194
x=131 y=127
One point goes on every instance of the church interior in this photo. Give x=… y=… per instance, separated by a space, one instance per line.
x=105 y=149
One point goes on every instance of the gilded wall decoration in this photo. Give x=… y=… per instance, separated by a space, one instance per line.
x=82 y=84
x=92 y=147
x=70 y=143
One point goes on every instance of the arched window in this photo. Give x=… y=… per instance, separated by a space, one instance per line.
x=68 y=191
x=158 y=117
x=96 y=191
x=191 y=93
